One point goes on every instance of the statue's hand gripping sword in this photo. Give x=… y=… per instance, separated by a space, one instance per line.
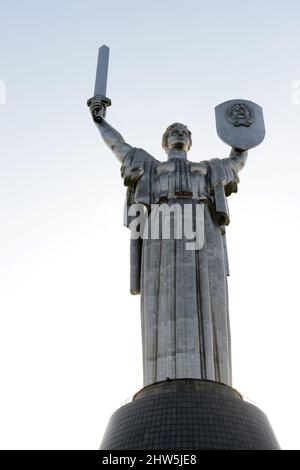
x=100 y=102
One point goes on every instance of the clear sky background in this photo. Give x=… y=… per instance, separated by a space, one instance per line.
x=70 y=340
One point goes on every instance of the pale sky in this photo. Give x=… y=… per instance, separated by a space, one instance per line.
x=70 y=340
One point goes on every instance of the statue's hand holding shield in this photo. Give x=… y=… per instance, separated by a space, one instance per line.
x=240 y=123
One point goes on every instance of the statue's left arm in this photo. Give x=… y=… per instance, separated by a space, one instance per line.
x=224 y=180
x=238 y=158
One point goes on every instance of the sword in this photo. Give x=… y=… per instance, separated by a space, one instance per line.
x=100 y=97
x=102 y=71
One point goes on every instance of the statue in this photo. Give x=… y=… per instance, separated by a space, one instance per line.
x=184 y=299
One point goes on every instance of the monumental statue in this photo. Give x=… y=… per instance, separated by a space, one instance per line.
x=177 y=213
x=184 y=300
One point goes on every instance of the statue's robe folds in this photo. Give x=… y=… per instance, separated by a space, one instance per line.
x=184 y=301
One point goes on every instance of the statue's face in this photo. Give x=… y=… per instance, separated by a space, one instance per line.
x=179 y=138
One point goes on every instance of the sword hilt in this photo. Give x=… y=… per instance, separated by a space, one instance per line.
x=98 y=103
x=99 y=100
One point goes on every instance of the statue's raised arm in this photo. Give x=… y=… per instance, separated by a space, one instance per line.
x=238 y=158
x=111 y=136
x=98 y=105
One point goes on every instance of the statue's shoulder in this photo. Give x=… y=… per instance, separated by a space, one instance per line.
x=136 y=164
x=140 y=155
x=199 y=167
x=136 y=156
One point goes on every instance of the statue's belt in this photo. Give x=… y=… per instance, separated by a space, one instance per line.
x=191 y=200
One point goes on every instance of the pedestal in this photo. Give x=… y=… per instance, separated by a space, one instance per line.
x=188 y=414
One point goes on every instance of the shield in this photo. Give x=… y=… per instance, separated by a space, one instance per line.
x=240 y=123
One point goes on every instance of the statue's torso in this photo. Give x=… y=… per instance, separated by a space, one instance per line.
x=151 y=181
x=178 y=177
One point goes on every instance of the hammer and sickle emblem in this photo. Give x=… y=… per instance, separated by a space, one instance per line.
x=239 y=115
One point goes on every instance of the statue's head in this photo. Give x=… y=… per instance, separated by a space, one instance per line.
x=177 y=136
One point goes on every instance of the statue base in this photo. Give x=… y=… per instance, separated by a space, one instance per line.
x=188 y=414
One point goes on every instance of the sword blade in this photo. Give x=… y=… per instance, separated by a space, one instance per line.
x=102 y=71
